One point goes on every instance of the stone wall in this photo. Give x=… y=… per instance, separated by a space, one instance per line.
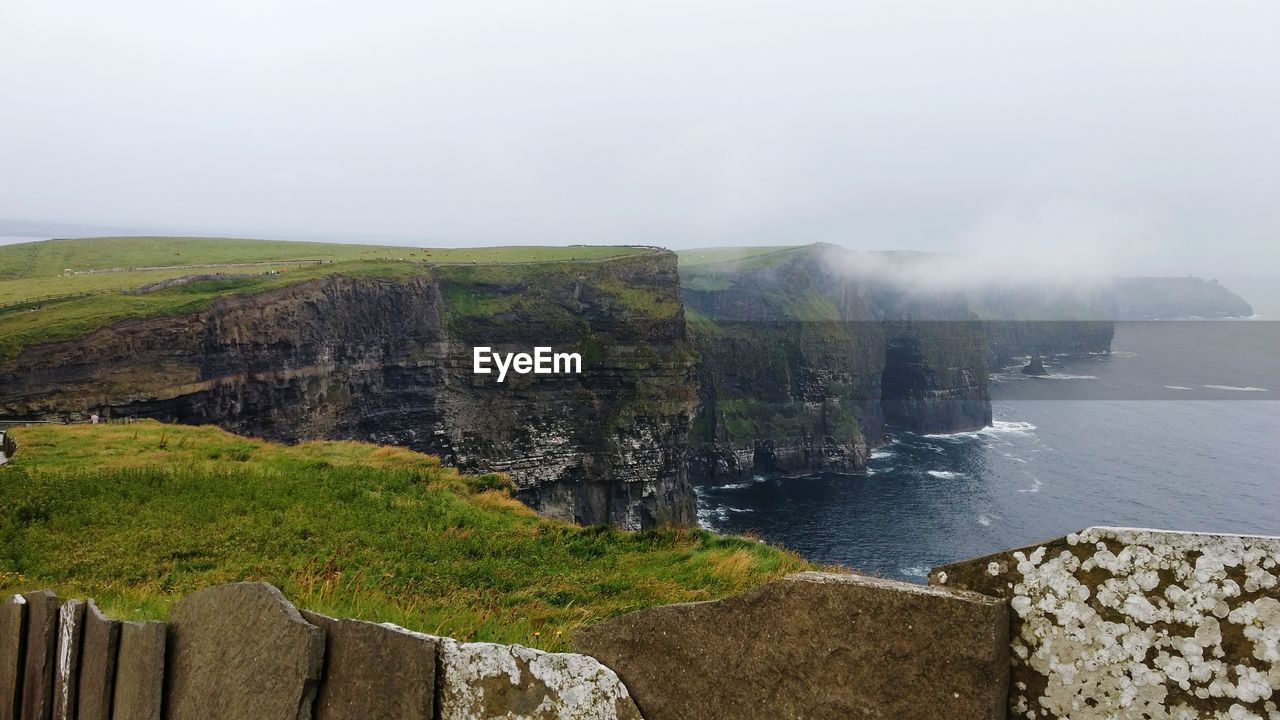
x=243 y=652
x=814 y=646
x=1106 y=623
x=1121 y=623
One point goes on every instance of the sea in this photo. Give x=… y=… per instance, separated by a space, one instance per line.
x=1177 y=428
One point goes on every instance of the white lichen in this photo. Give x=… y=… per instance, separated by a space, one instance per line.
x=1151 y=630
x=560 y=685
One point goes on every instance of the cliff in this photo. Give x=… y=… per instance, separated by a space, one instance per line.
x=1166 y=298
x=388 y=359
x=1011 y=339
x=802 y=367
x=1080 y=318
x=1022 y=320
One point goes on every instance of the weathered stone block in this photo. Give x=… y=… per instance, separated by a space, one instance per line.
x=485 y=681
x=1123 y=624
x=241 y=652
x=66 y=670
x=140 y=671
x=42 y=641
x=374 y=671
x=100 y=646
x=13 y=640
x=814 y=646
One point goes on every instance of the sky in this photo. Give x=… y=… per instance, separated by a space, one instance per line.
x=1137 y=137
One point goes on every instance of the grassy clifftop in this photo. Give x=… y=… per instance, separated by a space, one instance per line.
x=51 y=258
x=62 y=289
x=139 y=515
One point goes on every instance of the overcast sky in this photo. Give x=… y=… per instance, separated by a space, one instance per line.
x=1143 y=137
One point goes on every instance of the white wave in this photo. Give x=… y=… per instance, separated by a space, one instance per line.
x=1237 y=389
x=1177 y=387
x=709 y=517
x=945 y=474
x=1035 y=485
x=951 y=437
x=999 y=427
x=984 y=521
x=1016 y=427
x=915 y=571
x=705 y=517
x=1019 y=428
x=755 y=480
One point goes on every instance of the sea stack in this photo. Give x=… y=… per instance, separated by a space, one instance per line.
x=1035 y=367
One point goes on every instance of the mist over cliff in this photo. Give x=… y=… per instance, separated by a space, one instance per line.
x=812 y=355
x=1036 y=286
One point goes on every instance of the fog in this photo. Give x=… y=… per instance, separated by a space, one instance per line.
x=1049 y=137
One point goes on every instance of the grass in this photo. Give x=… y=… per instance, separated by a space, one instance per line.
x=53 y=257
x=142 y=514
x=736 y=256
x=108 y=266
x=75 y=317
x=722 y=270
x=554 y=293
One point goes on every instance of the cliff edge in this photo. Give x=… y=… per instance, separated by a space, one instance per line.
x=389 y=360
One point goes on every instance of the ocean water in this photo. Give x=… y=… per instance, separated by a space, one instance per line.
x=1177 y=428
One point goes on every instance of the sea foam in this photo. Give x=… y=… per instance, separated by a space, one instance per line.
x=997 y=428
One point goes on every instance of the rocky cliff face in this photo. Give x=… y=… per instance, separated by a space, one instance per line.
x=389 y=360
x=1167 y=298
x=1011 y=339
x=802 y=367
x=781 y=399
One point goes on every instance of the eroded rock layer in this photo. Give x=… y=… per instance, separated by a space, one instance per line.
x=389 y=360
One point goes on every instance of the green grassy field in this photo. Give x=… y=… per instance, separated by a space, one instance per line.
x=107 y=267
x=54 y=257
x=139 y=515
x=731 y=255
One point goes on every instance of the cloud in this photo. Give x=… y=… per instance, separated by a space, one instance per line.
x=1135 y=134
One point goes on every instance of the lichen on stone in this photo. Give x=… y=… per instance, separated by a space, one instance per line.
x=487 y=680
x=1121 y=623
